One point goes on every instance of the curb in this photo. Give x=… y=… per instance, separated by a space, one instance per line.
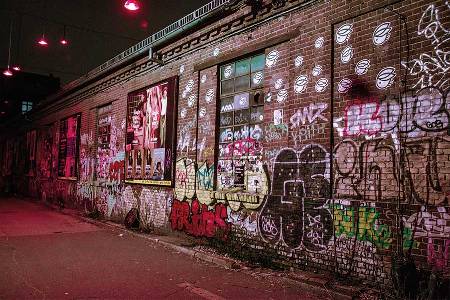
x=322 y=286
x=229 y=264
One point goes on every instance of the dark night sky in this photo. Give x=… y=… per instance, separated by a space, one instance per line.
x=87 y=49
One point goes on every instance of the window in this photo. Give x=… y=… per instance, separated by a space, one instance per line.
x=150 y=141
x=241 y=115
x=26 y=106
x=103 y=141
x=69 y=131
x=104 y=126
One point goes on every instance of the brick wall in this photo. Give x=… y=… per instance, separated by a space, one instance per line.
x=355 y=162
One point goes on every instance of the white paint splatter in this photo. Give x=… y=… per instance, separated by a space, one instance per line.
x=321 y=85
x=362 y=66
x=319 y=42
x=344 y=85
x=317 y=70
x=343 y=33
x=279 y=83
x=346 y=54
x=209 y=95
x=298 y=61
x=381 y=34
x=300 y=84
x=272 y=58
x=282 y=95
x=385 y=78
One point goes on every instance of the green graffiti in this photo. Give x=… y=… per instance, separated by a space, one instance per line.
x=408 y=239
x=368 y=226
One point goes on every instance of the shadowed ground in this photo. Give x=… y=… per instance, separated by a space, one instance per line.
x=48 y=255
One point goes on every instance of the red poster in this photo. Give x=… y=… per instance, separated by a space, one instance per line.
x=68 y=147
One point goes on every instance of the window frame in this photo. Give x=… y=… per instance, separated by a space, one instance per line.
x=250 y=123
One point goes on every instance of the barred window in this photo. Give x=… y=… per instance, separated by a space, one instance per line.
x=241 y=115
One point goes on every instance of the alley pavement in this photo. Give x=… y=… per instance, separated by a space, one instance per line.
x=45 y=254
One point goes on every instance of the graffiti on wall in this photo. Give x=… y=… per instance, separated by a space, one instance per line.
x=373 y=170
x=431 y=68
x=296 y=212
x=197 y=182
x=197 y=219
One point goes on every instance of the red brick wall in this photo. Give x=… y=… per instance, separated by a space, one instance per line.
x=359 y=167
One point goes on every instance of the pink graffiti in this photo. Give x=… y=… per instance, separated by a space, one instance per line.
x=362 y=118
x=438 y=256
x=247 y=146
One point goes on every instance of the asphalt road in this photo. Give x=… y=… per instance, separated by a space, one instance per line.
x=48 y=255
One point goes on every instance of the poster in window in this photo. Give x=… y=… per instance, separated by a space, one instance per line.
x=150 y=138
x=69 y=129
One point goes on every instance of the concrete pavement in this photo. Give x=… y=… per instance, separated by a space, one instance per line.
x=48 y=255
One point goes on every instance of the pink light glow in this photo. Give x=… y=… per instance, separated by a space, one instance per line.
x=7 y=72
x=42 y=41
x=16 y=68
x=64 y=42
x=132 y=5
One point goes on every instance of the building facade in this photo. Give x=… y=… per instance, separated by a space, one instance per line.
x=316 y=132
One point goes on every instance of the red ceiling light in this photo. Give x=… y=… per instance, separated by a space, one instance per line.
x=132 y=5
x=8 y=72
x=63 y=40
x=42 y=41
x=17 y=68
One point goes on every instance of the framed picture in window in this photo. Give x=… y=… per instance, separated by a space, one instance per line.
x=69 y=136
x=150 y=138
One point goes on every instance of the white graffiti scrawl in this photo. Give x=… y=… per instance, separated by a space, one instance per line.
x=431 y=69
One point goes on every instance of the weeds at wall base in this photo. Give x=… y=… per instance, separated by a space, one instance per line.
x=238 y=249
x=411 y=282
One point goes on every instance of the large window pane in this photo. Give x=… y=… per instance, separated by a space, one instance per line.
x=242 y=67
x=257 y=114
x=227 y=72
x=242 y=83
x=226 y=119
x=226 y=104
x=241 y=117
x=257 y=79
x=258 y=63
x=227 y=87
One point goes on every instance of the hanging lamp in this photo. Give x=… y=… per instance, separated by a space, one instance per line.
x=132 y=5
x=8 y=72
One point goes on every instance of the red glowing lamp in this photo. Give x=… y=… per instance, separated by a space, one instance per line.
x=64 y=42
x=132 y=5
x=42 y=41
x=16 y=68
x=8 y=72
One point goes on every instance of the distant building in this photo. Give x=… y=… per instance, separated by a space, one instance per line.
x=21 y=93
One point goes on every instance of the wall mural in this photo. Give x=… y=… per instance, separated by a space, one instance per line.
x=256 y=160
x=150 y=134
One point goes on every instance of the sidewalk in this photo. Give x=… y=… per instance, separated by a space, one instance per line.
x=326 y=284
